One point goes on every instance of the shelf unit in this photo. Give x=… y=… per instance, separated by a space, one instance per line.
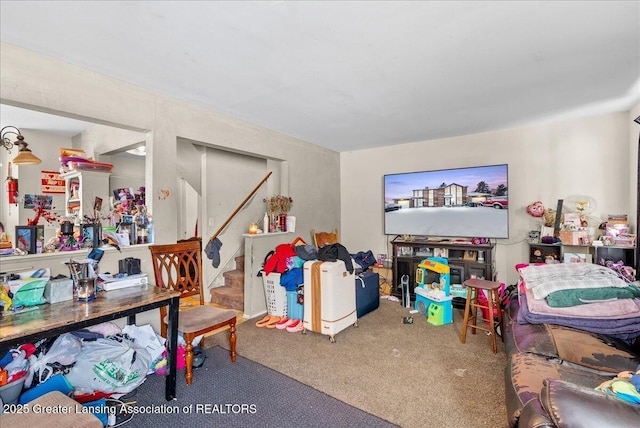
x=81 y=190
x=540 y=253
x=465 y=260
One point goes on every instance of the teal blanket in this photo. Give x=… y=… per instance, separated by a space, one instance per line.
x=581 y=296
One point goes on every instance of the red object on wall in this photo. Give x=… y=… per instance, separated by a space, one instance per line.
x=12 y=186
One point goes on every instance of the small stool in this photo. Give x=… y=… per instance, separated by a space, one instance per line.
x=475 y=286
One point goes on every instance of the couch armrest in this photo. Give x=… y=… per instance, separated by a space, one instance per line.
x=569 y=405
x=534 y=416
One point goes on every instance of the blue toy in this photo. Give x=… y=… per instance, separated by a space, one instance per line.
x=433 y=292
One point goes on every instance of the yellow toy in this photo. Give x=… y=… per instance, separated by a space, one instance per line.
x=5 y=297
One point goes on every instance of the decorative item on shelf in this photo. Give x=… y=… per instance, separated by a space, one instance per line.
x=141 y=219
x=30 y=238
x=91 y=234
x=282 y=222
x=68 y=240
x=265 y=223
x=66 y=228
x=253 y=228
x=470 y=256
x=278 y=207
x=40 y=210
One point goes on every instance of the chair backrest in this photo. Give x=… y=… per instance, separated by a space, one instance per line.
x=179 y=267
x=320 y=239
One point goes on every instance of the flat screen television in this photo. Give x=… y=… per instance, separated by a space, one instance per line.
x=467 y=202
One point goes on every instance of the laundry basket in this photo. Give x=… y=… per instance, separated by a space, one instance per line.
x=275 y=294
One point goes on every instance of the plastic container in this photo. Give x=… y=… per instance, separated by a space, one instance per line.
x=11 y=391
x=55 y=383
x=295 y=310
x=275 y=294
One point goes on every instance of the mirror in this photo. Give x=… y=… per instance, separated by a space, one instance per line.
x=46 y=134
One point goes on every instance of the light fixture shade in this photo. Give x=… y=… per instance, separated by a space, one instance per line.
x=25 y=157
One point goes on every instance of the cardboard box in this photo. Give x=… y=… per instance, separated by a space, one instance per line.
x=571 y=237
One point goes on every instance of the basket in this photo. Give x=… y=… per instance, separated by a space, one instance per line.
x=275 y=294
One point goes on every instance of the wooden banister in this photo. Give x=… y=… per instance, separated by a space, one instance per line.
x=242 y=204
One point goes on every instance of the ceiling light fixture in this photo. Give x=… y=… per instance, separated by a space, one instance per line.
x=24 y=157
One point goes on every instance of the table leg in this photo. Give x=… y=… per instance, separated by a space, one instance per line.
x=172 y=349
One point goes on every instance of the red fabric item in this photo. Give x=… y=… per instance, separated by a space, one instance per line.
x=28 y=348
x=278 y=261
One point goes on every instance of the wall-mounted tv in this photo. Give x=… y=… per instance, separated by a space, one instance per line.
x=462 y=202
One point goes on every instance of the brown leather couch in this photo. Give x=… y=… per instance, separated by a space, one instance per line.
x=552 y=371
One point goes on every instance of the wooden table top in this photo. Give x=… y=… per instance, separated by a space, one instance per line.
x=41 y=318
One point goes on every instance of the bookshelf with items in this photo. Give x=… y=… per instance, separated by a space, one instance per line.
x=578 y=244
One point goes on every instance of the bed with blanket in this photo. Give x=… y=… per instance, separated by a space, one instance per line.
x=585 y=296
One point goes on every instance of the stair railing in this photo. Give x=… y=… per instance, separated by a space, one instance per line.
x=242 y=204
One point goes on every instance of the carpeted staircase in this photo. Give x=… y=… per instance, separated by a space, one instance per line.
x=231 y=294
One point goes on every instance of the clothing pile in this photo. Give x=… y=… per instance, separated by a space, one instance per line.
x=580 y=295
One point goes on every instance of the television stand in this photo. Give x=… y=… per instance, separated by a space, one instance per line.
x=465 y=260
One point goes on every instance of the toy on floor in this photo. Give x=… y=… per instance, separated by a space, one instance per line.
x=433 y=292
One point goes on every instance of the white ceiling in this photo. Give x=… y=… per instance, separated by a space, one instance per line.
x=351 y=75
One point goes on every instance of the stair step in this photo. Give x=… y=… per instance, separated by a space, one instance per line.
x=234 y=279
x=229 y=297
x=240 y=263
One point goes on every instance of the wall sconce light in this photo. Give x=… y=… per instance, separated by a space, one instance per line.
x=24 y=157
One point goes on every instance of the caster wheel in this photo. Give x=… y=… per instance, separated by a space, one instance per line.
x=332 y=339
x=304 y=331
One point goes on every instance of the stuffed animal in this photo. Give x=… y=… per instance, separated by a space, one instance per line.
x=549 y=217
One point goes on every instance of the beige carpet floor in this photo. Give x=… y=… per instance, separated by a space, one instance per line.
x=413 y=375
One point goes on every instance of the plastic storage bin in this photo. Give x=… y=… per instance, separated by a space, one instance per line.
x=275 y=294
x=11 y=391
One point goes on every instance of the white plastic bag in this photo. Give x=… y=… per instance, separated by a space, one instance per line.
x=64 y=350
x=145 y=337
x=110 y=366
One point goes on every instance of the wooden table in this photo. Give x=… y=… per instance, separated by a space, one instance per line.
x=38 y=322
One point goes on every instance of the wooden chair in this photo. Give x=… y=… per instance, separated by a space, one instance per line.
x=320 y=239
x=179 y=267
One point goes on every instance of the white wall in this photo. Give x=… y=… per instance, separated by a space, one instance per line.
x=312 y=176
x=547 y=162
x=46 y=146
